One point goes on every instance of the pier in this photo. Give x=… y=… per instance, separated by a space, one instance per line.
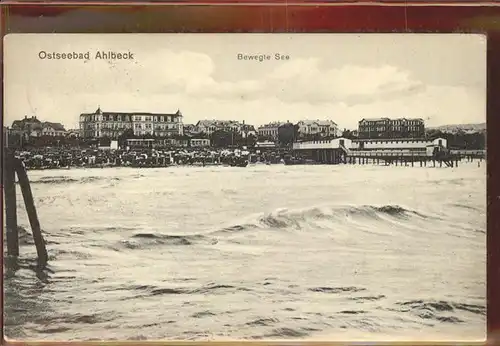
x=398 y=152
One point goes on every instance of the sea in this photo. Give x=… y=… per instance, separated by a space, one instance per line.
x=273 y=252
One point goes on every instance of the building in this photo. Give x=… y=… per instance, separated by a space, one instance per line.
x=406 y=144
x=73 y=133
x=336 y=150
x=53 y=129
x=391 y=128
x=113 y=124
x=171 y=142
x=139 y=143
x=210 y=126
x=266 y=145
x=321 y=128
x=270 y=130
x=190 y=129
x=247 y=130
x=33 y=127
x=200 y=142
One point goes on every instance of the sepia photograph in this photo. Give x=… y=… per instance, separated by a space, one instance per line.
x=244 y=187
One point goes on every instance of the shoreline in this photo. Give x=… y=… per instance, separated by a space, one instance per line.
x=72 y=168
x=72 y=158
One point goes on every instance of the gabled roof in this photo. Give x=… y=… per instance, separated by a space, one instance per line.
x=217 y=122
x=326 y=122
x=26 y=124
x=272 y=124
x=318 y=122
x=374 y=119
x=55 y=126
x=17 y=124
x=247 y=127
x=26 y=121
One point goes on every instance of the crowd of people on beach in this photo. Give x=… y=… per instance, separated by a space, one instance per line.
x=66 y=158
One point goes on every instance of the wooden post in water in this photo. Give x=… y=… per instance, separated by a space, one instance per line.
x=32 y=214
x=9 y=181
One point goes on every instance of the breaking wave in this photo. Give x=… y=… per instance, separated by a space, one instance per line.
x=281 y=219
x=142 y=240
x=297 y=219
x=315 y=218
x=439 y=310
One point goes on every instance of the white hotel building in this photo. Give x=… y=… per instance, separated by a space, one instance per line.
x=113 y=124
x=323 y=128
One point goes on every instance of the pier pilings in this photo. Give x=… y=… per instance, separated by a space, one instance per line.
x=406 y=158
x=9 y=181
x=13 y=166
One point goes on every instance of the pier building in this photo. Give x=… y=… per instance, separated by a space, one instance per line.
x=344 y=150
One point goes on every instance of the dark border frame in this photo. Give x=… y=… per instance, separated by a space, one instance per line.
x=301 y=16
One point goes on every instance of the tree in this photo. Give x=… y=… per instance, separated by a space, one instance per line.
x=181 y=137
x=287 y=133
x=201 y=135
x=460 y=139
x=264 y=138
x=105 y=141
x=251 y=140
x=222 y=139
x=127 y=134
x=348 y=134
x=14 y=140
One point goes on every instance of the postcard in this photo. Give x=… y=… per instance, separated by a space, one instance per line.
x=245 y=187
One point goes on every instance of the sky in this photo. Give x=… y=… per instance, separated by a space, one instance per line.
x=342 y=77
